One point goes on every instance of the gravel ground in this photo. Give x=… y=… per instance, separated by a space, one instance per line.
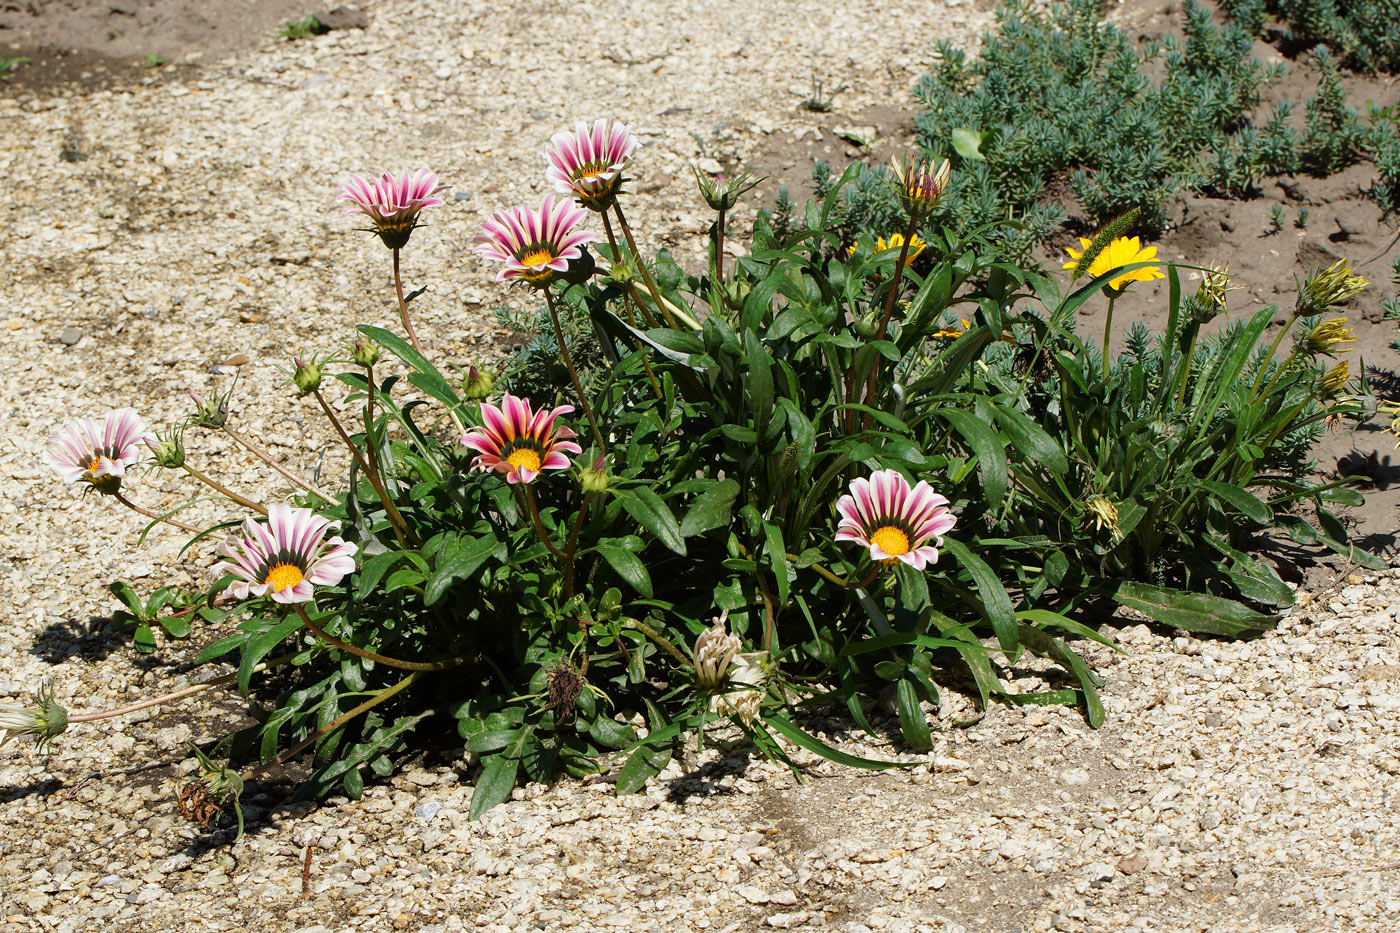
x=163 y=236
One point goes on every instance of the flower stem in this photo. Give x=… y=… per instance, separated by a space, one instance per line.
x=642 y=266
x=1107 y=333
x=333 y=725
x=666 y=644
x=612 y=241
x=265 y=458
x=573 y=374
x=872 y=384
x=572 y=546
x=403 y=305
x=142 y=510
x=627 y=306
x=401 y=529
x=839 y=581
x=180 y=694
x=221 y=488
x=529 y=496
x=1269 y=358
x=368 y=655
x=719 y=248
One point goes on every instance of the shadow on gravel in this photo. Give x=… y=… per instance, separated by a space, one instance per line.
x=43 y=787
x=93 y=640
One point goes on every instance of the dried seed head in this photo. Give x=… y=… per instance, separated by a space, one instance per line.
x=1325 y=289
x=562 y=689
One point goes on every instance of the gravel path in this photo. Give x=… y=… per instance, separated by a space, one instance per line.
x=157 y=235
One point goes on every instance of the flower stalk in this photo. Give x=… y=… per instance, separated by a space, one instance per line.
x=267 y=458
x=419 y=666
x=224 y=490
x=182 y=693
x=142 y=510
x=403 y=305
x=573 y=373
x=402 y=532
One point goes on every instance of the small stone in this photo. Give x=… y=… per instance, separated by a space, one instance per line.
x=1099 y=871
x=938 y=882
x=70 y=336
x=238 y=359
x=709 y=166
x=752 y=894
x=428 y=810
x=788 y=921
x=1132 y=864
x=1214 y=720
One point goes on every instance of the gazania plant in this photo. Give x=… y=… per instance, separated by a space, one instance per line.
x=799 y=483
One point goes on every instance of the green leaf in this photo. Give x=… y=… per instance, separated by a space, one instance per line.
x=144 y=639
x=642 y=765
x=1194 y=612
x=644 y=505
x=911 y=718
x=259 y=645
x=968 y=143
x=176 y=626
x=796 y=736
x=400 y=348
x=610 y=733
x=459 y=563
x=1044 y=644
x=1031 y=439
x=127 y=595
x=1044 y=617
x=496 y=780
x=710 y=509
x=220 y=648
x=995 y=602
x=991 y=455
x=760 y=379
x=628 y=566
x=1246 y=503
x=776 y=553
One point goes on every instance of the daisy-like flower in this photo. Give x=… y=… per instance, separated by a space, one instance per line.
x=950 y=332
x=520 y=442
x=393 y=203
x=284 y=557
x=1392 y=411
x=896 y=241
x=1123 y=251
x=1328 y=337
x=921 y=186
x=894 y=520
x=99 y=455
x=43 y=722
x=535 y=245
x=587 y=164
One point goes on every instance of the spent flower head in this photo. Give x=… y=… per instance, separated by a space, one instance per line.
x=895 y=521
x=43 y=722
x=1324 y=289
x=520 y=442
x=284 y=557
x=920 y=186
x=1120 y=252
x=99 y=454
x=715 y=650
x=1328 y=337
x=203 y=798
x=743 y=700
x=722 y=192
x=535 y=245
x=1333 y=382
x=587 y=164
x=1104 y=514
x=1209 y=301
x=393 y=203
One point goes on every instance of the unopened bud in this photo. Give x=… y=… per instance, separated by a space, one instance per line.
x=1328 y=336
x=364 y=352
x=594 y=479
x=1334 y=381
x=720 y=192
x=1323 y=290
x=306 y=375
x=477 y=384
x=1209 y=302
x=210 y=412
x=168 y=450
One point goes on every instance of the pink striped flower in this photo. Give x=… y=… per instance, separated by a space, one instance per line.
x=285 y=556
x=895 y=521
x=99 y=455
x=535 y=245
x=520 y=442
x=392 y=204
x=587 y=163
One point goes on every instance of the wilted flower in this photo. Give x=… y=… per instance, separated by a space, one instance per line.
x=393 y=203
x=202 y=799
x=587 y=164
x=99 y=455
x=45 y=721
x=1392 y=411
x=1332 y=382
x=744 y=699
x=285 y=556
x=920 y=186
x=1104 y=515
x=1123 y=251
x=520 y=442
x=1209 y=302
x=364 y=352
x=722 y=192
x=1322 y=290
x=715 y=650
x=1328 y=336
x=168 y=450
x=535 y=245
x=895 y=521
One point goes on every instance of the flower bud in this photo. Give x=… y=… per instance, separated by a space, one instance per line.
x=477 y=384
x=364 y=352
x=210 y=412
x=920 y=186
x=1208 y=302
x=1328 y=336
x=306 y=375
x=594 y=479
x=168 y=450
x=1104 y=514
x=723 y=193
x=1334 y=381
x=715 y=650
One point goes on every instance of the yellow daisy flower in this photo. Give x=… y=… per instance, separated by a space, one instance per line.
x=1121 y=252
x=896 y=240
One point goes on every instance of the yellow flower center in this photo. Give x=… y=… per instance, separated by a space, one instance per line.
x=94 y=463
x=891 y=540
x=524 y=457
x=537 y=257
x=283 y=576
